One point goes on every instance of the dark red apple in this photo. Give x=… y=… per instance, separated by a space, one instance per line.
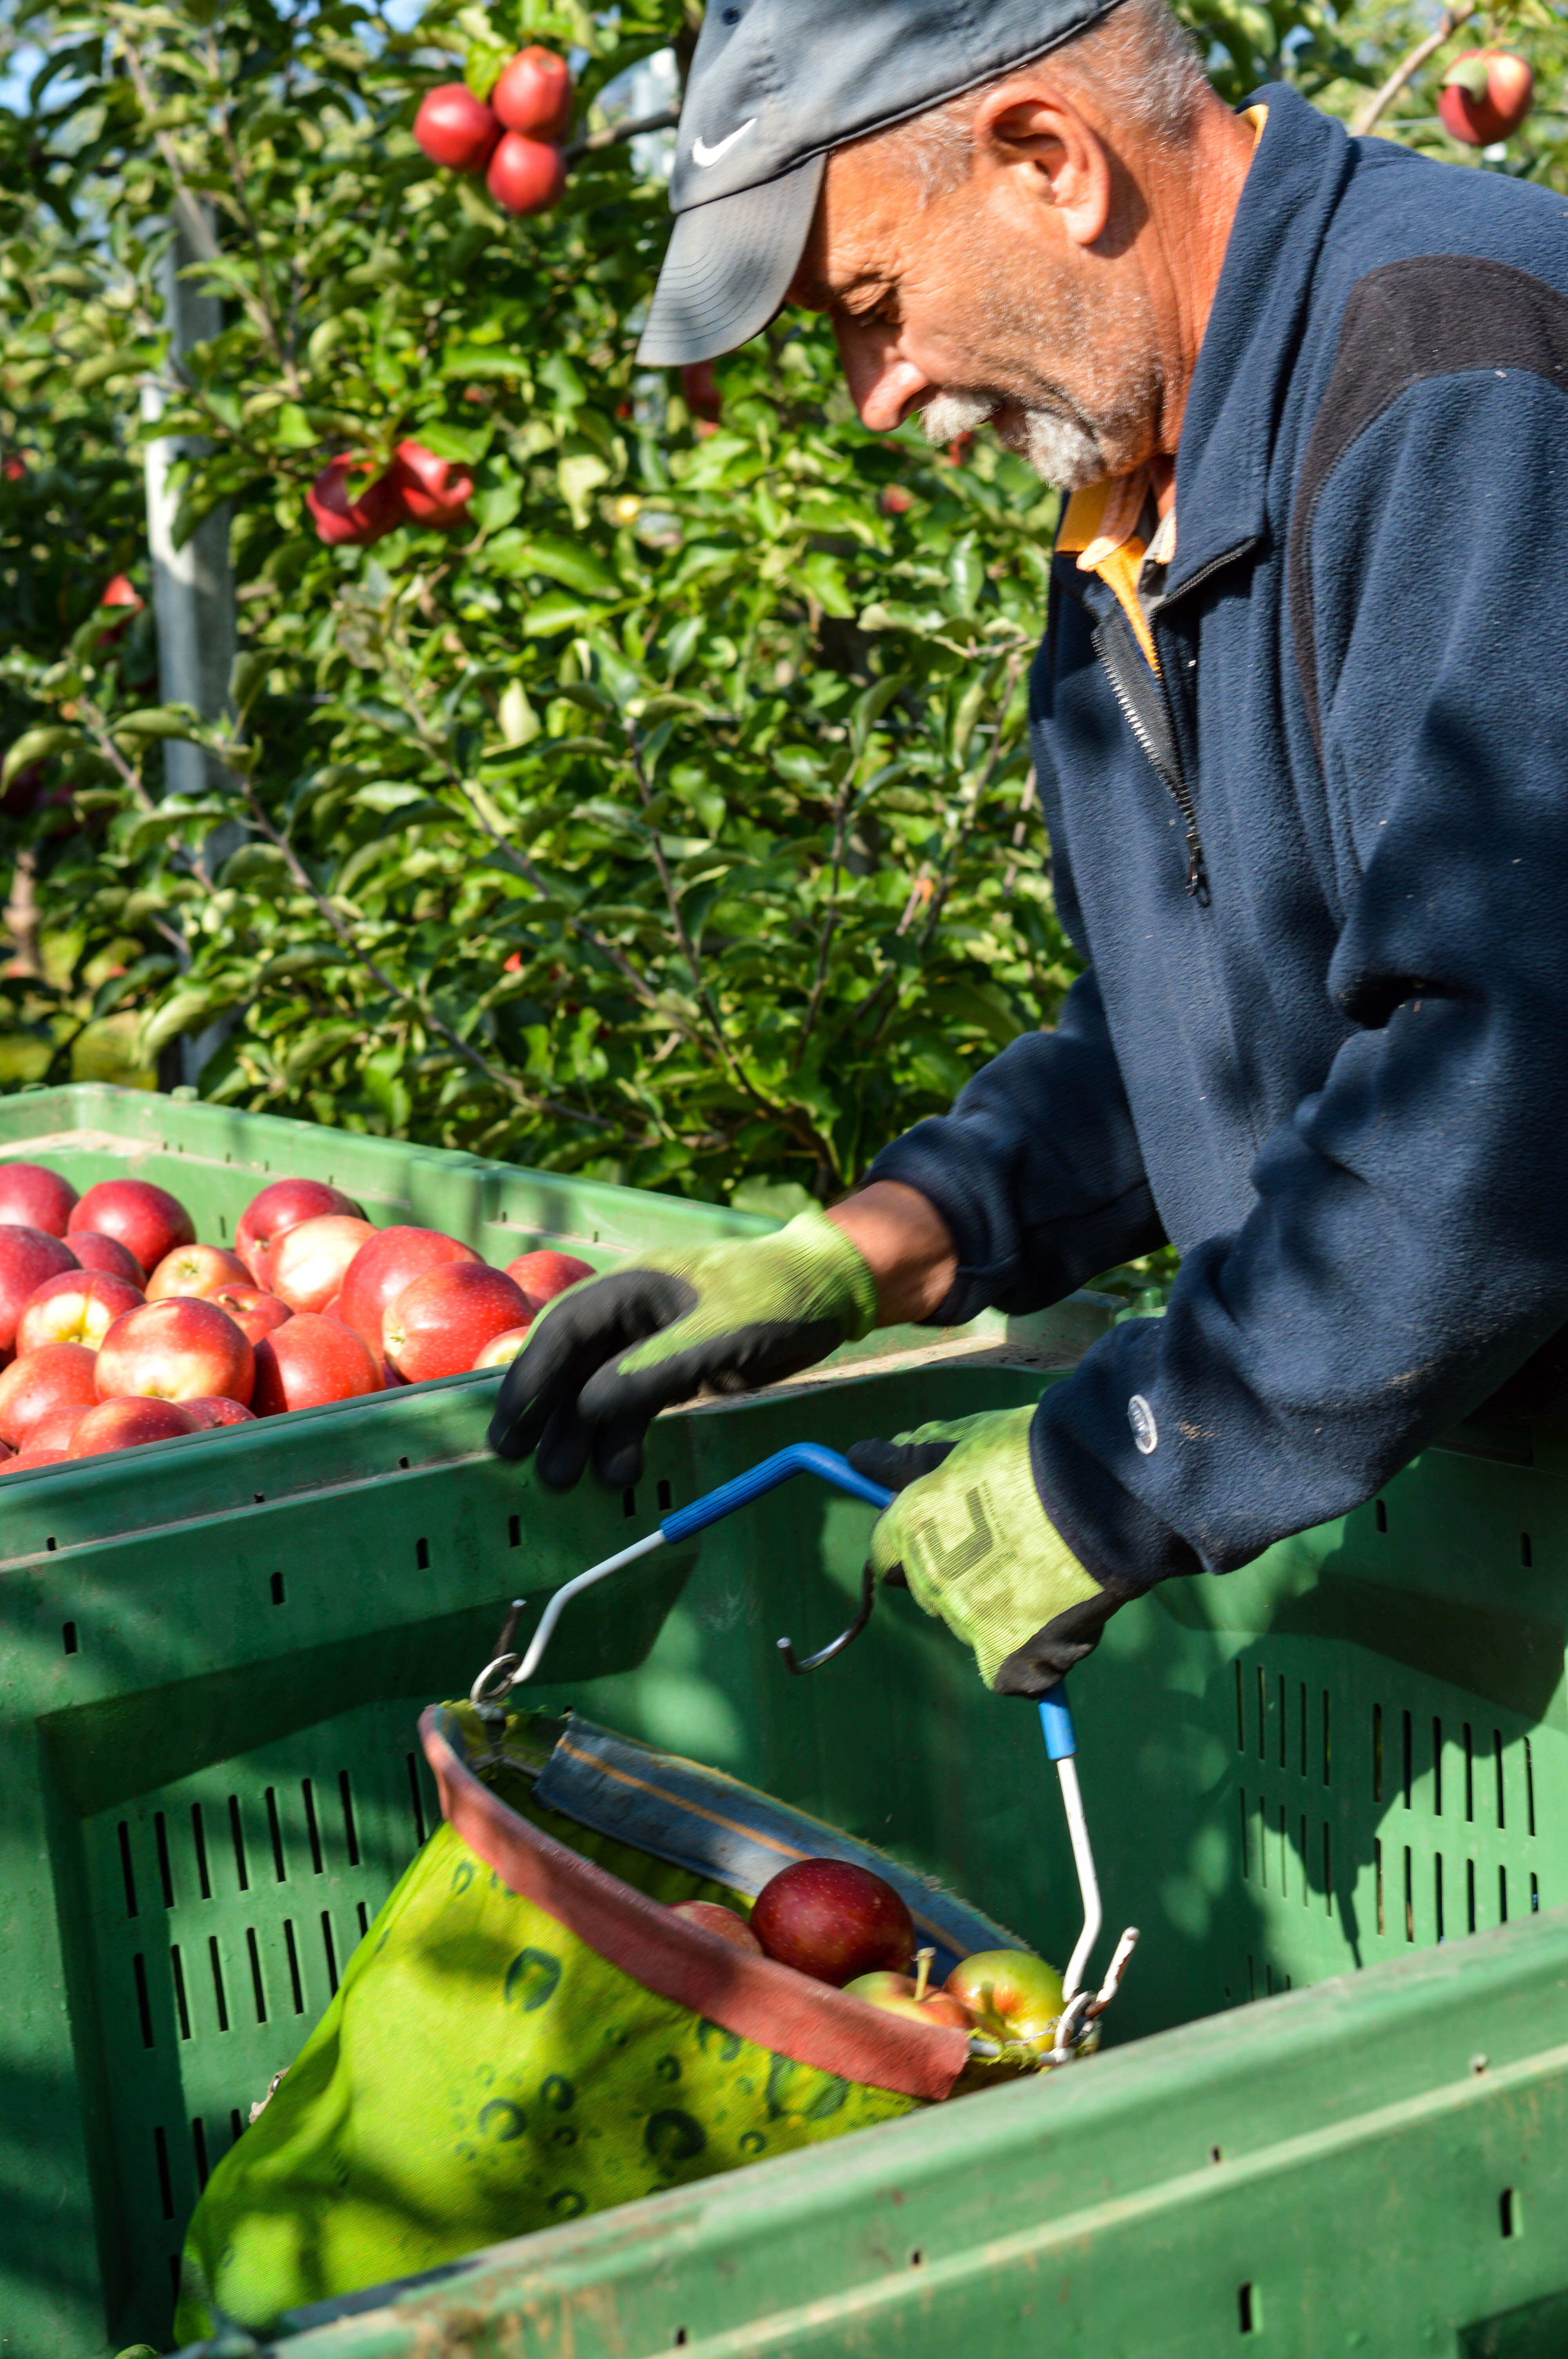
x=544 y=1274
x=80 y=1306
x=197 y=1270
x=27 y=1257
x=433 y=491
x=525 y=176
x=122 y=1423
x=455 y=129
x=180 y=1348
x=148 y=1221
x=307 y=1265
x=311 y=1361
x=390 y=1260
x=343 y=520
x=438 y=1325
x=34 y=1197
x=213 y=1413
x=714 y=1918
x=94 y=1250
x=534 y=94
x=834 y=1921
x=285 y=1204
x=255 y=1312
x=59 y=1376
x=1485 y=96
x=699 y=388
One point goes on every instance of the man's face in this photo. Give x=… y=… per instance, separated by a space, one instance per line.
x=979 y=305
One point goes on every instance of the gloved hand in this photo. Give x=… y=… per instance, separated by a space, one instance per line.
x=968 y=1537
x=605 y=1356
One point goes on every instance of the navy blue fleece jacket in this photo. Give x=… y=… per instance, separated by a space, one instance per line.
x=1319 y=868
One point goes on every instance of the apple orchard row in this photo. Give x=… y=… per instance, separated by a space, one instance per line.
x=118 y=1327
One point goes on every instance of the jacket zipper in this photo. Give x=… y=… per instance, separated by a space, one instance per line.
x=1176 y=787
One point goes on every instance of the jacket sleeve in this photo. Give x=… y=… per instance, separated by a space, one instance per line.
x=1408 y=1248
x=1037 y=1171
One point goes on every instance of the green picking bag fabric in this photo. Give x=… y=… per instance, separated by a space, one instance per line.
x=525 y=2034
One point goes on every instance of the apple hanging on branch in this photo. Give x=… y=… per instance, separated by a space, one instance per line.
x=1485 y=97
x=456 y=129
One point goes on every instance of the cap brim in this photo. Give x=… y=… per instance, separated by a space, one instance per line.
x=728 y=268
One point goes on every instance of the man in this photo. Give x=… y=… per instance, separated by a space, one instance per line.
x=1302 y=752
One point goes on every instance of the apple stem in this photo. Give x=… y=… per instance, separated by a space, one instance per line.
x=922 y=1972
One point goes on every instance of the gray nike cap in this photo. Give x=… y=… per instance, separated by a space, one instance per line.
x=774 y=86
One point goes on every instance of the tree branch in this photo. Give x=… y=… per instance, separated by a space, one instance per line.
x=591 y=142
x=1409 y=65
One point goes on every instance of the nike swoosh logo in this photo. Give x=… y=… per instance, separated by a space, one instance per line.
x=703 y=155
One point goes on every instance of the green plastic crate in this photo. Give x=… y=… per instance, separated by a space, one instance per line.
x=1339 y=1758
x=211 y=1658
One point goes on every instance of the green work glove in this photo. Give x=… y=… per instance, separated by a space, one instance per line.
x=603 y=1358
x=968 y=1537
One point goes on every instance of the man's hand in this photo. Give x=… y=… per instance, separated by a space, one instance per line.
x=970 y=1538
x=607 y=1355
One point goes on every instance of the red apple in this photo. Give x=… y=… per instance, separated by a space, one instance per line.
x=148 y=1221
x=894 y=1995
x=121 y=591
x=80 y=1306
x=124 y=1422
x=433 y=491
x=534 y=94
x=58 y=1430
x=255 y=1312
x=26 y=1258
x=307 y=1265
x=282 y=1205
x=25 y=1460
x=502 y=1349
x=699 y=388
x=525 y=176
x=1485 y=96
x=714 y=1918
x=1011 y=1993
x=896 y=501
x=59 y=1376
x=343 y=521
x=180 y=1348
x=94 y=1250
x=210 y=1413
x=195 y=1270
x=543 y=1275
x=834 y=1921
x=392 y=1259
x=34 y=1197
x=310 y=1362
x=455 y=129
x=436 y=1325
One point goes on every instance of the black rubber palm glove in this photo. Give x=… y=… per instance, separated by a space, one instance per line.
x=603 y=1358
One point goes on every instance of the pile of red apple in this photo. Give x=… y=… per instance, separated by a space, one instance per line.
x=515 y=140
x=116 y=1327
x=416 y=488
x=840 y=1924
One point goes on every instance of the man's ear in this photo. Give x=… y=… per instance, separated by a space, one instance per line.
x=1033 y=132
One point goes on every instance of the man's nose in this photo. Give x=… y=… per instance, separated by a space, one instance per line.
x=884 y=386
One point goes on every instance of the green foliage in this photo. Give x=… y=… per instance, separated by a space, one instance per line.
x=670 y=822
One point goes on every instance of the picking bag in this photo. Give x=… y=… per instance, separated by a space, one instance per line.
x=527 y=2034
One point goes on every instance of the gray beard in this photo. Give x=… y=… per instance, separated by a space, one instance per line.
x=1063 y=451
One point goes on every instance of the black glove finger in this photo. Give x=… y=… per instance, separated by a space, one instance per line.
x=1066 y=1639
x=896 y=1464
x=564 y=1445
x=734 y=1363
x=618 y=1452
x=596 y=1322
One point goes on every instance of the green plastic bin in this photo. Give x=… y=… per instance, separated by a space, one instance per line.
x=212 y=1654
x=1351 y=1756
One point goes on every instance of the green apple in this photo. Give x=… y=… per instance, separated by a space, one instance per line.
x=1011 y=1993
